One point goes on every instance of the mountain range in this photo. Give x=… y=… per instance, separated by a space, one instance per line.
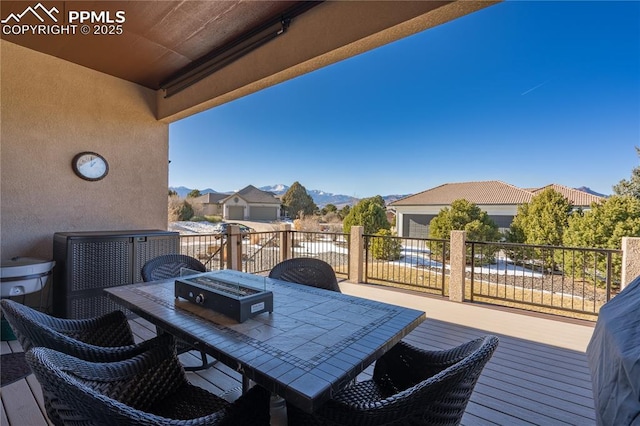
x=589 y=191
x=322 y=198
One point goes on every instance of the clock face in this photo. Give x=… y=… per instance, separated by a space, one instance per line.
x=90 y=166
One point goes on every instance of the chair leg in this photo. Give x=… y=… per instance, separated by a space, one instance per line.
x=203 y=356
x=205 y=363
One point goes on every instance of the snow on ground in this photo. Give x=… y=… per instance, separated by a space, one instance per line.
x=503 y=266
x=187 y=227
x=190 y=228
x=410 y=257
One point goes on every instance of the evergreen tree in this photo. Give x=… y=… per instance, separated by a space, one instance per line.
x=329 y=208
x=194 y=193
x=344 y=211
x=542 y=221
x=387 y=247
x=369 y=214
x=464 y=216
x=298 y=202
x=601 y=227
x=632 y=186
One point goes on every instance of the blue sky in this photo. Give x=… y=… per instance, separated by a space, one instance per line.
x=529 y=93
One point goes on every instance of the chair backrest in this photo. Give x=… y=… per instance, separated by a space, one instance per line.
x=169 y=266
x=100 y=339
x=308 y=271
x=437 y=384
x=117 y=393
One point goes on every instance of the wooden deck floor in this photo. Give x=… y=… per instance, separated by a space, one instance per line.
x=538 y=375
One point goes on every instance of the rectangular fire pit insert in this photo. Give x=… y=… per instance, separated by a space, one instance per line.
x=232 y=299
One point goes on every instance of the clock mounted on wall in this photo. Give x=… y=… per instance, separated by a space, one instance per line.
x=90 y=166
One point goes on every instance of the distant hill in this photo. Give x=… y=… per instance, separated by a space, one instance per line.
x=182 y=191
x=589 y=191
x=321 y=198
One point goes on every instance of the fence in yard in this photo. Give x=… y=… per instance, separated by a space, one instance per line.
x=571 y=279
x=331 y=247
x=561 y=280
x=415 y=263
x=259 y=252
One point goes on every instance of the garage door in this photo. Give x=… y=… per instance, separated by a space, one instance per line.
x=416 y=225
x=236 y=213
x=263 y=213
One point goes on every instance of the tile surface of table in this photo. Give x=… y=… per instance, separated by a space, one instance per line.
x=312 y=345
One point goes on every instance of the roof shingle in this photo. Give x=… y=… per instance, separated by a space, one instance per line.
x=486 y=192
x=491 y=192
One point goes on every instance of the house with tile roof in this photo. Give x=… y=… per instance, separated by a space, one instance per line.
x=250 y=203
x=499 y=199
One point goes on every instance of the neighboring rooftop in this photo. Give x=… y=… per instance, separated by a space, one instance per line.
x=251 y=194
x=576 y=196
x=490 y=193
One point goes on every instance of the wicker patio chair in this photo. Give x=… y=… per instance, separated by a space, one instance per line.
x=107 y=338
x=149 y=389
x=409 y=386
x=101 y=339
x=306 y=270
x=169 y=266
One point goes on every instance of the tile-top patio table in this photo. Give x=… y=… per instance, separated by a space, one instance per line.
x=311 y=346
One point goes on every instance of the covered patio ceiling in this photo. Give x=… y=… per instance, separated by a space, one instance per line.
x=199 y=54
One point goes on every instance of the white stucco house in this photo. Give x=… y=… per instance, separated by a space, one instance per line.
x=250 y=203
x=500 y=200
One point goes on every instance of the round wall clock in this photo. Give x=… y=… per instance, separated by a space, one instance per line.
x=90 y=166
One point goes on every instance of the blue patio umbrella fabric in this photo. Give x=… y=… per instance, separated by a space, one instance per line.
x=613 y=355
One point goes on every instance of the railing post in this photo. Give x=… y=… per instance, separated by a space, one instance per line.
x=458 y=261
x=286 y=242
x=630 y=260
x=234 y=248
x=356 y=254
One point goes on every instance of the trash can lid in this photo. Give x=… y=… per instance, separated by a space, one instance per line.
x=24 y=266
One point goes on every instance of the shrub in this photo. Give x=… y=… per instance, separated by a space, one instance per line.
x=307 y=223
x=386 y=247
x=369 y=214
x=179 y=210
x=213 y=218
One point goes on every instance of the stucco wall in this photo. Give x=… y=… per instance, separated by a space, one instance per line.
x=51 y=110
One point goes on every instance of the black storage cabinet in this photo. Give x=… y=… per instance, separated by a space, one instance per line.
x=88 y=262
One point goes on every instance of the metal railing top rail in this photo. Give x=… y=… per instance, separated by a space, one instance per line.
x=407 y=262
x=553 y=278
x=539 y=246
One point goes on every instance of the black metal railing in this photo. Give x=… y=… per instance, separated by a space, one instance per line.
x=418 y=263
x=207 y=248
x=543 y=278
x=332 y=247
x=571 y=279
x=260 y=251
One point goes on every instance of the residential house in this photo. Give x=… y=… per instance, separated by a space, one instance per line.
x=250 y=203
x=500 y=200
